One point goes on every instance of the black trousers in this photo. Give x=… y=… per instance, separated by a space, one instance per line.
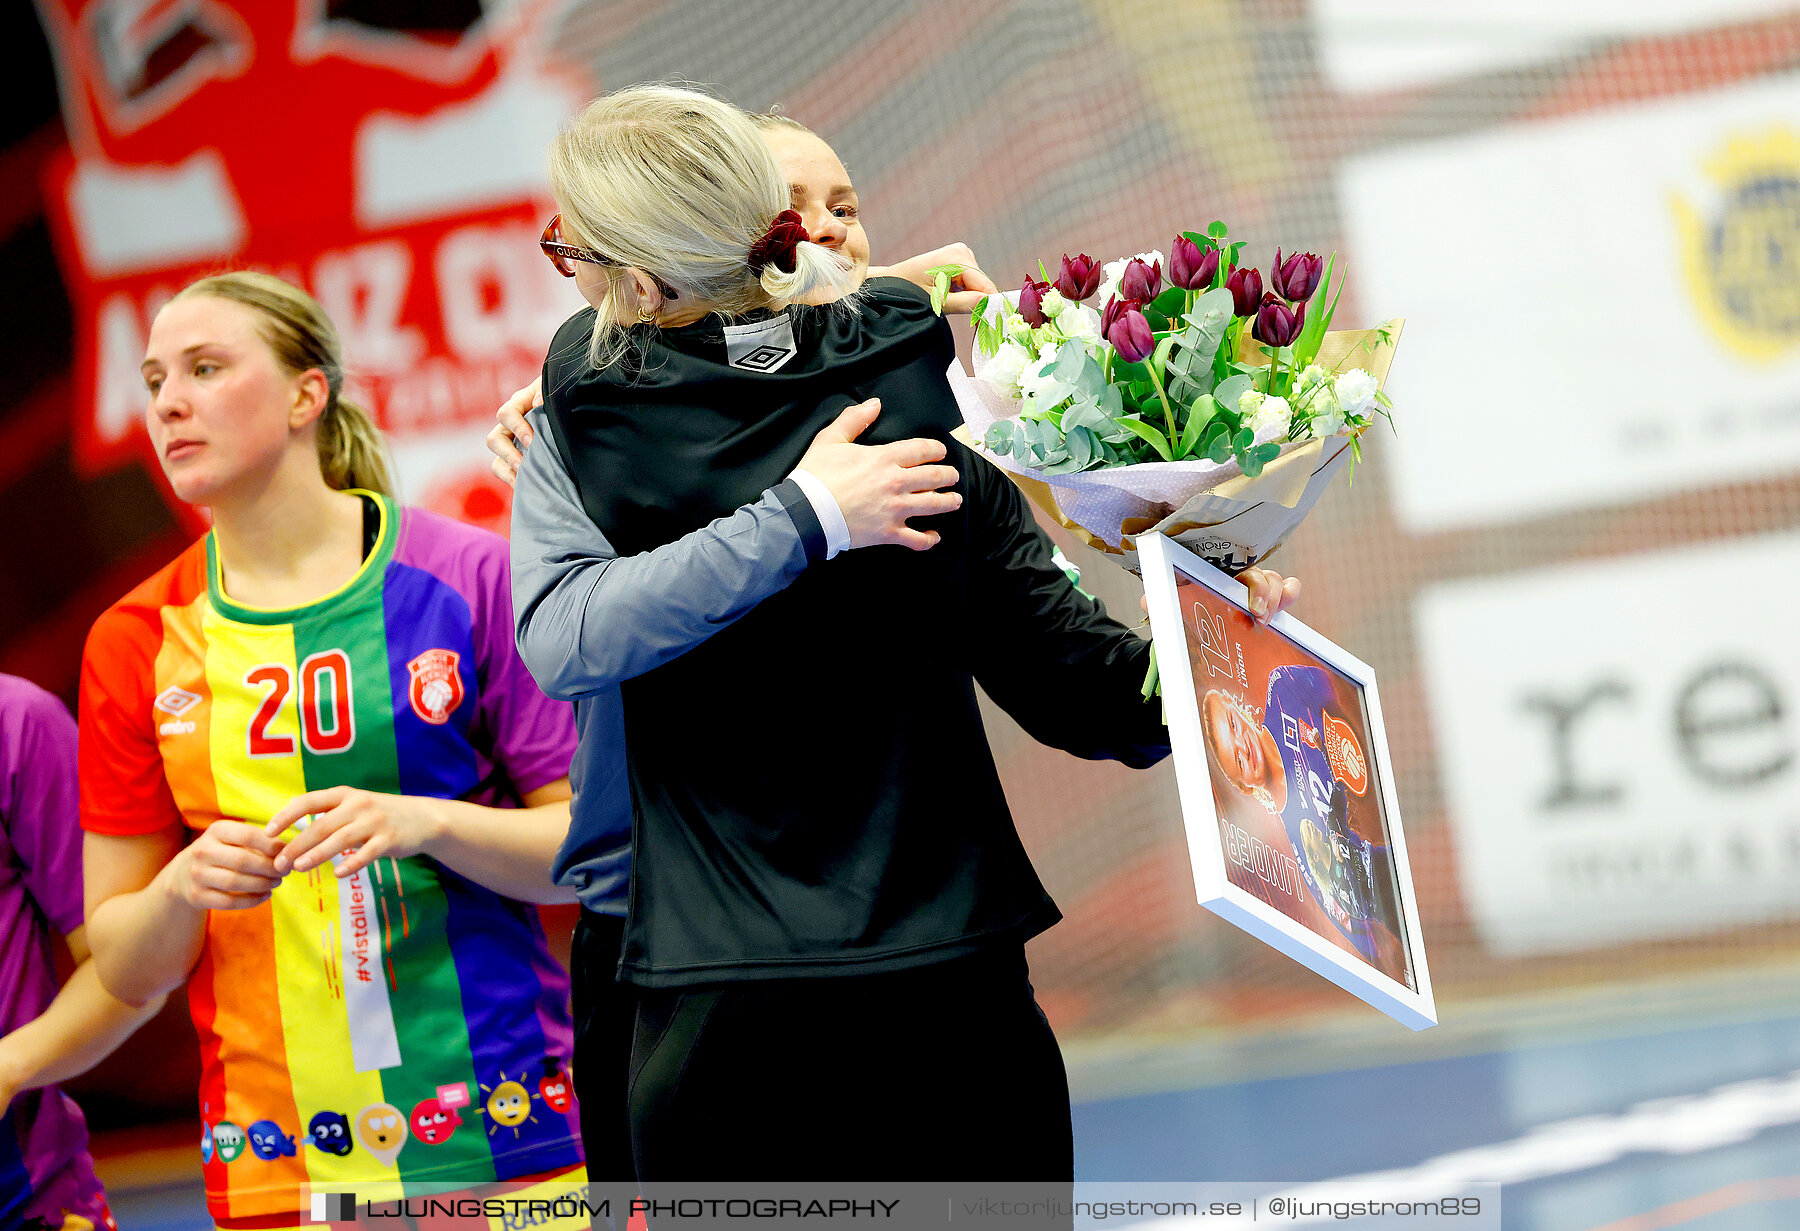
x=941 y=1073
x=604 y=1010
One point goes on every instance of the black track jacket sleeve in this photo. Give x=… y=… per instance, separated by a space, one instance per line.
x=1046 y=653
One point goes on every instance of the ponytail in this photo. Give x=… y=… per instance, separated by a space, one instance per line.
x=816 y=267
x=351 y=451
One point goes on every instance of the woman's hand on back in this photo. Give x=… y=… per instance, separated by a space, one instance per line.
x=877 y=487
x=510 y=434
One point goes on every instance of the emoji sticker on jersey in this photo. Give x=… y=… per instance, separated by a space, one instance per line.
x=230 y=1140
x=330 y=1131
x=508 y=1105
x=554 y=1087
x=382 y=1130
x=432 y=1122
x=206 y=1143
x=436 y=688
x=269 y=1142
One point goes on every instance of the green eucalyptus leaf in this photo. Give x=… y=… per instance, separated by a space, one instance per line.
x=1090 y=378
x=1216 y=229
x=1083 y=445
x=1220 y=449
x=1083 y=414
x=1201 y=238
x=1112 y=401
x=1229 y=391
x=1243 y=440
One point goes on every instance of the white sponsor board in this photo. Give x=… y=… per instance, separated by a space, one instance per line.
x=1599 y=310
x=1619 y=744
x=1368 y=46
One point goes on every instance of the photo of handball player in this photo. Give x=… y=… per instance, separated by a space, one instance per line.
x=1299 y=812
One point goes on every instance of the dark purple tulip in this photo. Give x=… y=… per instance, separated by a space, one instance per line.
x=1276 y=323
x=1190 y=267
x=1110 y=313
x=1246 y=291
x=1080 y=277
x=1031 y=302
x=1127 y=330
x=1296 y=278
x=1141 y=281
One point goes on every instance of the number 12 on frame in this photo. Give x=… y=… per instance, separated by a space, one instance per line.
x=1286 y=786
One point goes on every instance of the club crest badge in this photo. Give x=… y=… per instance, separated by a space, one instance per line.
x=1344 y=752
x=436 y=689
x=1741 y=244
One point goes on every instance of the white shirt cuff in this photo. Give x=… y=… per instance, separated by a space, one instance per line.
x=825 y=507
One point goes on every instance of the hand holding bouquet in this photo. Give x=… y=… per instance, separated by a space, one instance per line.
x=1196 y=401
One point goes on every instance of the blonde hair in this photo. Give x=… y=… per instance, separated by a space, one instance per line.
x=302 y=337
x=680 y=185
x=773 y=119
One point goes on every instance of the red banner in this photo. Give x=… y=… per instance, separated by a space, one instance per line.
x=396 y=172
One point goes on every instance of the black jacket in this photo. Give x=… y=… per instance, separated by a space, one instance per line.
x=813 y=788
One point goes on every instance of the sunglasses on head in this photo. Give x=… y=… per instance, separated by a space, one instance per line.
x=560 y=254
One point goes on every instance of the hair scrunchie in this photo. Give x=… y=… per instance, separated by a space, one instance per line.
x=776 y=247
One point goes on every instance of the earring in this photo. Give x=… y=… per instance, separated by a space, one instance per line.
x=646 y=317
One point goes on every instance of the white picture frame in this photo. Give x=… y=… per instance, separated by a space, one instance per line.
x=1341 y=944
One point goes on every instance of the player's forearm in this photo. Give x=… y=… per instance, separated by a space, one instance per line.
x=78 y=1030
x=508 y=850
x=146 y=942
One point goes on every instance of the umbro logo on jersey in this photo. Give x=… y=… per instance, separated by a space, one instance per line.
x=176 y=701
x=760 y=346
x=764 y=358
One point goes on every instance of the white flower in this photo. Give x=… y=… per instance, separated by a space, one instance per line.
x=1080 y=322
x=1112 y=271
x=1328 y=422
x=1047 y=339
x=1356 y=389
x=1311 y=378
x=1249 y=400
x=1036 y=379
x=1017 y=330
x=1002 y=371
x=1270 y=419
x=1053 y=303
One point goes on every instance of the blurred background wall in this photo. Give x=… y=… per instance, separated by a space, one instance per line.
x=1573 y=566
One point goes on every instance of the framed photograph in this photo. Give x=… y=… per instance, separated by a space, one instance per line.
x=1287 y=789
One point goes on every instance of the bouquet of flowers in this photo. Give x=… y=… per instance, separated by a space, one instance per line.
x=1196 y=402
